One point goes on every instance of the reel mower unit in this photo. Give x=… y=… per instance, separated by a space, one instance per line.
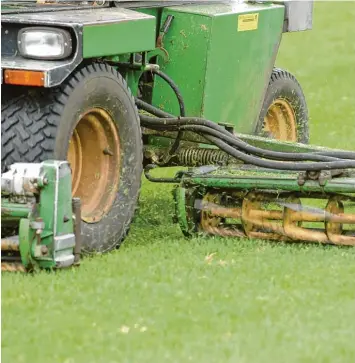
x=251 y=202
x=40 y=221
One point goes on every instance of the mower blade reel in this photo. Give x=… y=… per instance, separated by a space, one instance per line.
x=10 y=255
x=270 y=206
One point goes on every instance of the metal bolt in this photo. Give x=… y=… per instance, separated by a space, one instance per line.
x=44 y=250
x=107 y=151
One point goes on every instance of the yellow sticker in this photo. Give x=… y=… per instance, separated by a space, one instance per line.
x=248 y=22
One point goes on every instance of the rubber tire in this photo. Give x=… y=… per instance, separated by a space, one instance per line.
x=38 y=124
x=284 y=85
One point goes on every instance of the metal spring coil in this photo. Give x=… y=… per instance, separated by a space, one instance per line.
x=200 y=157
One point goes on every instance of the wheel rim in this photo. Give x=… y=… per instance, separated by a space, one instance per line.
x=280 y=121
x=94 y=157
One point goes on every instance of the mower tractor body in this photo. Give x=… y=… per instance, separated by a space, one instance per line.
x=220 y=53
x=36 y=203
x=117 y=85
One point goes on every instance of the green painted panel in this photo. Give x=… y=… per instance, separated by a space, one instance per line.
x=156 y=12
x=132 y=35
x=265 y=181
x=186 y=42
x=239 y=66
x=285 y=146
x=222 y=72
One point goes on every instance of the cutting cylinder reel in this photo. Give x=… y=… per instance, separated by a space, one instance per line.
x=258 y=221
x=274 y=208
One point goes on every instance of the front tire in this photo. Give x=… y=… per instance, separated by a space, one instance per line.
x=92 y=121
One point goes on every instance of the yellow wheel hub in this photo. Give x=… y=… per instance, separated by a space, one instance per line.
x=280 y=121
x=94 y=157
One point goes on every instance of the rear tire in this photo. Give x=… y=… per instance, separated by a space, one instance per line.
x=284 y=114
x=91 y=120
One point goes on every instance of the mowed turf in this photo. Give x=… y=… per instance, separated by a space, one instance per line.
x=162 y=298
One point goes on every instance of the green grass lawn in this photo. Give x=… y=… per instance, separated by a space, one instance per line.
x=158 y=299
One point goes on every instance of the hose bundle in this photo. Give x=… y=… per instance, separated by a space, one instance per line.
x=236 y=147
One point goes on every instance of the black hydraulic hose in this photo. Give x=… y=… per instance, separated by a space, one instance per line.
x=224 y=135
x=157 y=112
x=151 y=109
x=180 y=99
x=338 y=154
x=236 y=142
x=280 y=165
x=318 y=166
x=174 y=87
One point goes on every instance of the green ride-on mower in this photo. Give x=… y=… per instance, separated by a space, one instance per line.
x=95 y=91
